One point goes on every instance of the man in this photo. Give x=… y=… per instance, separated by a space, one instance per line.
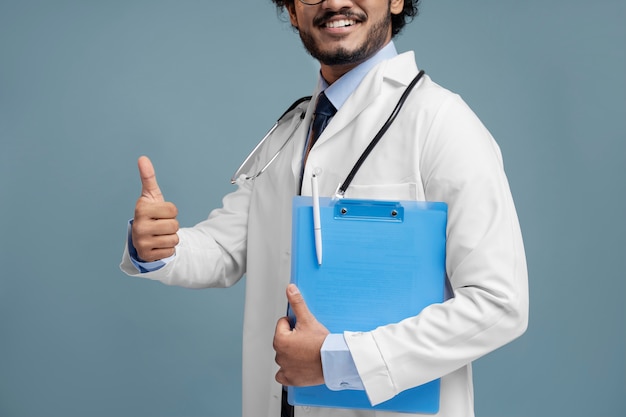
x=436 y=150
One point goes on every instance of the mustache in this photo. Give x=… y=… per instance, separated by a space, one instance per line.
x=322 y=19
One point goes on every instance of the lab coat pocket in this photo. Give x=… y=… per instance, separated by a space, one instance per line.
x=404 y=191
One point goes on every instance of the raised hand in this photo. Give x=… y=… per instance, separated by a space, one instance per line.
x=154 y=226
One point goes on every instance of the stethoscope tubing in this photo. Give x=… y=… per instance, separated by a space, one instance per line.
x=238 y=172
x=344 y=186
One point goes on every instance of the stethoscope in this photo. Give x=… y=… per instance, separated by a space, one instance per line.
x=242 y=170
x=252 y=156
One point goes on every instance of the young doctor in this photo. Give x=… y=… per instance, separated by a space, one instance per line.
x=435 y=150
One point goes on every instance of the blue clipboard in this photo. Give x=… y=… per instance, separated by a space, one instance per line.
x=383 y=261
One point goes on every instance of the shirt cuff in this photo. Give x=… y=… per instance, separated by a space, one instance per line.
x=378 y=384
x=340 y=373
x=143 y=266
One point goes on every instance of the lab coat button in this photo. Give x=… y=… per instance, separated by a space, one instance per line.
x=317 y=171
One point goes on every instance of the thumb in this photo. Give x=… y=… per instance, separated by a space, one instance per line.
x=298 y=305
x=149 y=187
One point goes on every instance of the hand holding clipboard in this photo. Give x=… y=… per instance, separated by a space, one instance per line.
x=384 y=261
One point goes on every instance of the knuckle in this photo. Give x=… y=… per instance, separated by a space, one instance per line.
x=142 y=206
x=141 y=244
x=142 y=253
x=145 y=231
x=138 y=227
x=164 y=243
x=161 y=254
x=171 y=228
x=172 y=210
x=139 y=213
x=145 y=255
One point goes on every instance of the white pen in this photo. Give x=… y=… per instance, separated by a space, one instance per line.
x=317 y=226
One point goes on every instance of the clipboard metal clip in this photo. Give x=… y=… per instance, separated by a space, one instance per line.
x=369 y=210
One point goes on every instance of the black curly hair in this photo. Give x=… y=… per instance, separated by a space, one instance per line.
x=398 y=21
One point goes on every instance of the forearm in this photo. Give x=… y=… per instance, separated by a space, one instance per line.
x=210 y=254
x=485 y=264
x=441 y=339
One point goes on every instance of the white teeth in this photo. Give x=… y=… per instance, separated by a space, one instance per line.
x=340 y=23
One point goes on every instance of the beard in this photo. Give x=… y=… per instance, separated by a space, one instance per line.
x=375 y=40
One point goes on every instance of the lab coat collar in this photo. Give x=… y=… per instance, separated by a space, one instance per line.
x=397 y=72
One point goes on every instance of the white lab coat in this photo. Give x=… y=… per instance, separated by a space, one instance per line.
x=436 y=150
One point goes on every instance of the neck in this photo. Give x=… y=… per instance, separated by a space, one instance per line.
x=332 y=73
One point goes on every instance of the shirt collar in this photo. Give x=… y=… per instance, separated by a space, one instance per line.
x=341 y=89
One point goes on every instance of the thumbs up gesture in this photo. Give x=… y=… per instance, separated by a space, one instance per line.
x=154 y=226
x=298 y=349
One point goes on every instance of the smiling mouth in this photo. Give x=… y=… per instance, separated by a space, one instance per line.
x=340 y=23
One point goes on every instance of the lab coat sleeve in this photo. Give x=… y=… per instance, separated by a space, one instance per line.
x=461 y=165
x=210 y=254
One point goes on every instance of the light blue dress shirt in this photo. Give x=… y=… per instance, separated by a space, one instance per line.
x=340 y=373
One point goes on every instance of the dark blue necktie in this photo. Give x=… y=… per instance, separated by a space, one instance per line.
x=324 y=111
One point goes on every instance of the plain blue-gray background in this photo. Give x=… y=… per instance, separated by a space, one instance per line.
x=88 y=86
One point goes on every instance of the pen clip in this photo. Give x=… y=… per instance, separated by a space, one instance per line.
x=317 y=225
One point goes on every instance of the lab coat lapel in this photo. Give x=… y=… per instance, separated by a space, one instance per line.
x=398 y=71
x=363 y=96
x=395 y=73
